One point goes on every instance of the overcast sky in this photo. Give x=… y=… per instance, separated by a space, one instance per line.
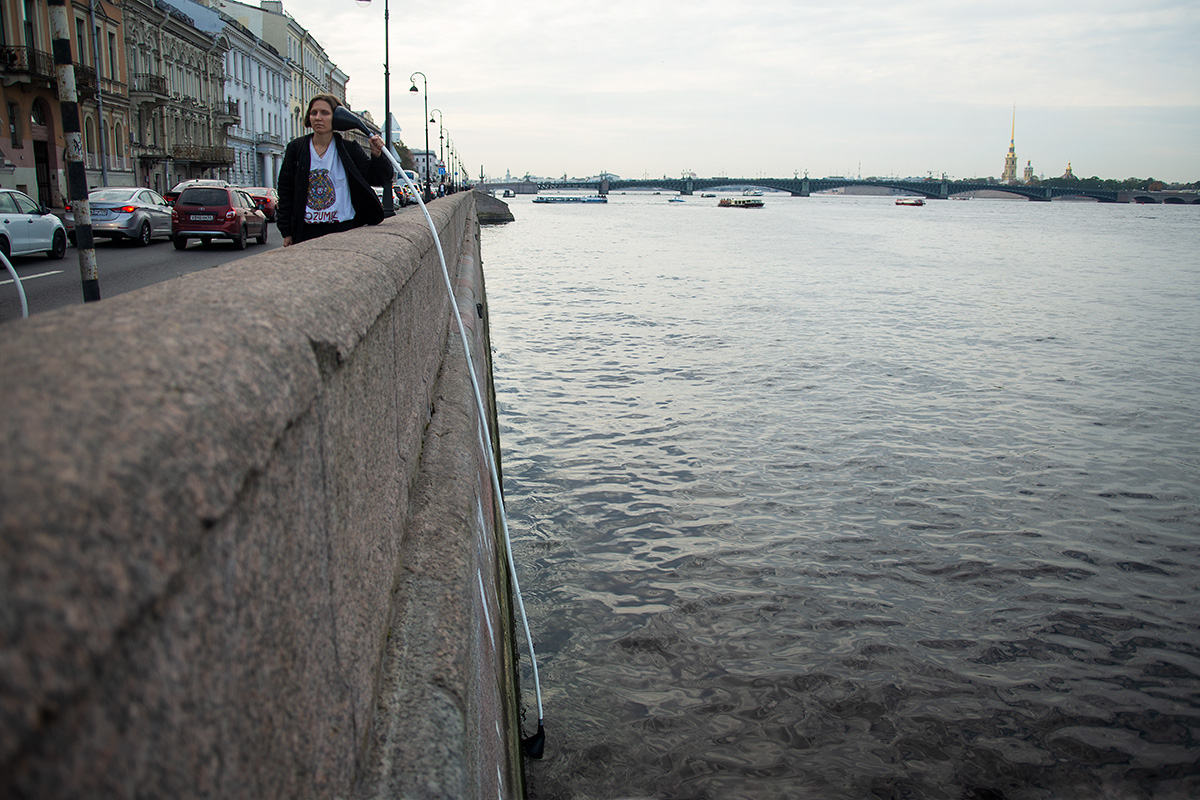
x=774 y=87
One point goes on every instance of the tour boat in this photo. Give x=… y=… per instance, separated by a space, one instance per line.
x=740 y=202
x=569 y=198
x=910 y=201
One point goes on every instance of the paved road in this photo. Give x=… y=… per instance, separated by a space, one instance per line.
x=123 y=267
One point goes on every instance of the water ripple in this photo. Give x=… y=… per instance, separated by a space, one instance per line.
x=823 y=505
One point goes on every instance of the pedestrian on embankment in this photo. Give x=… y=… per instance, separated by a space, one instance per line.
x=325 y=181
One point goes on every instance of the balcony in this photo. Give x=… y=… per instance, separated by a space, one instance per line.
x=203 y=155
x=227 y=113
x=268 y=143
x=145 y=89
x=25 y=61
x=85 y=82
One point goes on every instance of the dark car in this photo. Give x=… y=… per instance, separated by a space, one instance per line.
x=217 y=212
x=125 y=212
x=267 y=199
x=173 y=195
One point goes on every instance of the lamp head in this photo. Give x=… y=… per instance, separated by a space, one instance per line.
x=346 y=120
x=414 y=88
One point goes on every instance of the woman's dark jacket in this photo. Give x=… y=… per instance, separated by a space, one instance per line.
x=362 y=172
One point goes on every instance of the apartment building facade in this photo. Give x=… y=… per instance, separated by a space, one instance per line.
x=168 y=90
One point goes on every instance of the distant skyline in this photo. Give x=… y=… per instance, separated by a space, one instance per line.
x=772 y=87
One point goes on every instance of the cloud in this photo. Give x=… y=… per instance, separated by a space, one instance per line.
x=668 y=85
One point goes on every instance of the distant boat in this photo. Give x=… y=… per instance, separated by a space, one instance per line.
x=753 y=193
x=708 y=194
x=910 y=201
x=740 y=202
x=508 y=193
x=675 y=200
x=569 y=198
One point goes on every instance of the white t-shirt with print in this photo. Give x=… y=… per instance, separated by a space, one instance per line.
x=328 y=189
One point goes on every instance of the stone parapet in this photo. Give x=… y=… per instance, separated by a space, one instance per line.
x=245 y=531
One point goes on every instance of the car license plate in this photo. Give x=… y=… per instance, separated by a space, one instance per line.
x=202 y=217
x=100 y=213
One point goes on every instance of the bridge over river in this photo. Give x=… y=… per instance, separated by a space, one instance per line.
x=803 y=187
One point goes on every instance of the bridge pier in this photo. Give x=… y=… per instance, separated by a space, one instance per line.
x=804 y=189
x=604 y=187
x=689 y=187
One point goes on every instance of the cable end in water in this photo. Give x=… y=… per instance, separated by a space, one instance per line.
x=535 y=745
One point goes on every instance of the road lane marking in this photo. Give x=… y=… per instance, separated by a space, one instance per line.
x=30 y=277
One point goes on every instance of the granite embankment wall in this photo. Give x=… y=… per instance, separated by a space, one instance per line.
x=247 y=541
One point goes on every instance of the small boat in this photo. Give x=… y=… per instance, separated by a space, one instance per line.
x=753 y=193
x=509 y=193
x=708 y=194
x=740 y=202
x=675 y=200
x=910 y=201
x=569 y=198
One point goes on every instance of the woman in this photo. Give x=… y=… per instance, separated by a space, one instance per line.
x=325 y=181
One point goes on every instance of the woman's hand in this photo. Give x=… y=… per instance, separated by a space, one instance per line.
x=376 y=146
x=287 y=241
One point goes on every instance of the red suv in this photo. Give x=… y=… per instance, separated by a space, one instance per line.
x=217 y=212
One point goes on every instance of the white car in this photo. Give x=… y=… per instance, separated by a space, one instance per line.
x=27 y=228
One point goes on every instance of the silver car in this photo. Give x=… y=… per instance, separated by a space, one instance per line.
x=27 y=228
x=126 y=212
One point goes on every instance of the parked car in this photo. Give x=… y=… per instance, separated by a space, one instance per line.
x=27 y=227
x=217 y=212
x=125 y=212
x=267 y=199
x=173 y=195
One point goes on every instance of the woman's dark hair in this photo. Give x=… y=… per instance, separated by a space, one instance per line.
x=328 y=98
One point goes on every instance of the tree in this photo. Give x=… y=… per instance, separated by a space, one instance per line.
x=406 y=157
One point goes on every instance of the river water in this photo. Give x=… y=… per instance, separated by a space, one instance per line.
x=840 y=499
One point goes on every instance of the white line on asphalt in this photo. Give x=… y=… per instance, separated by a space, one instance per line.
x=31 y=277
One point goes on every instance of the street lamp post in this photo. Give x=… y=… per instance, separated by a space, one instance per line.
x=413 y=88
x=389 y=208
x=441 y=140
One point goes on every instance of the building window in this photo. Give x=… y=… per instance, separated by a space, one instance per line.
x=81 y=49
x=14 y=125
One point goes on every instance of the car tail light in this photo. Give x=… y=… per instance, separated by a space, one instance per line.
x=67 y=207
x=230 y=214
x=127 y=209
x=174 y=215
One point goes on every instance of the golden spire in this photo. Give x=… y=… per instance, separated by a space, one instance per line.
x=1010 y=161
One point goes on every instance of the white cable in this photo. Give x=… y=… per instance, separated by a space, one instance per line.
x=20 y=288
x=484 y=439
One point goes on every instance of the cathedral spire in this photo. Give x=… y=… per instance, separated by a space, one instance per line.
x=1010 y=160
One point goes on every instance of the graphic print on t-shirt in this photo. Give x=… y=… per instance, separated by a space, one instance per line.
x=321 y=196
